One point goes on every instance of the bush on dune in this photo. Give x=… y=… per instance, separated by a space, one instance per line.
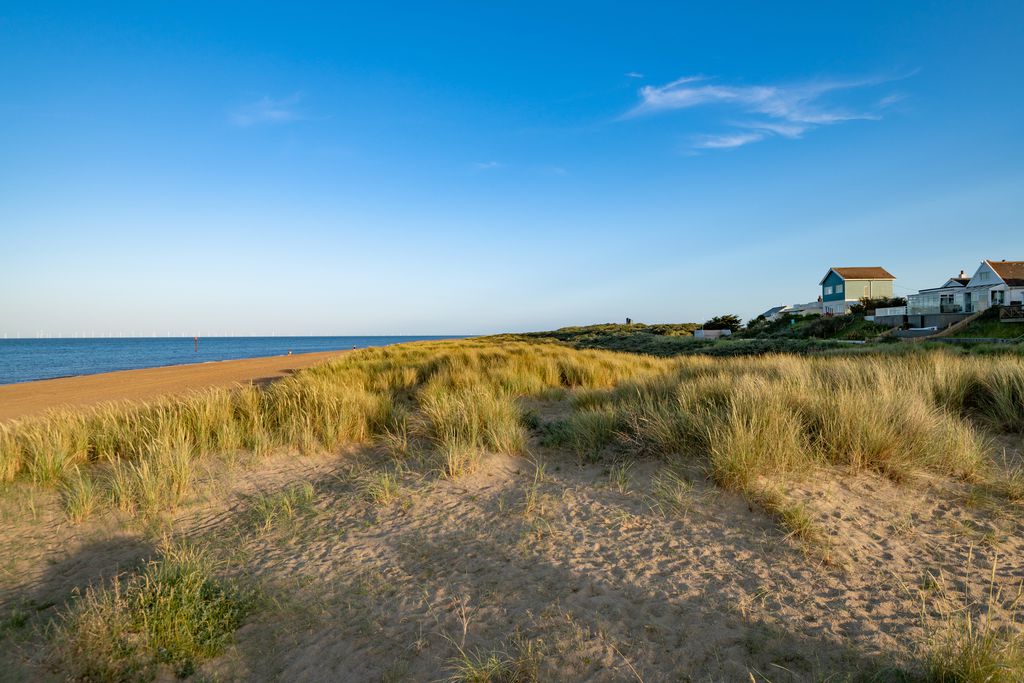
x=174 y=612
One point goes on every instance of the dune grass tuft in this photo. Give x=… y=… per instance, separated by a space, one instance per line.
x=174 y=612
x=463 y=421
x=967 y=650
x=10 y=455
x=620 y=475
x=793 y=516
x=967 y=643
x=496 y=666
x=153 y=484
x=381 y=487
x=80 y=496
x=671 y=494
x=590 y=431
x=270 y=509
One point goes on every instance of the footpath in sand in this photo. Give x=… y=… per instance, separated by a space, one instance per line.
x=29 y=398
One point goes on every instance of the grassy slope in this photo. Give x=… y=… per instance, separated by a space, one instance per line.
x=987 y=326
x=847 y=327
x=655 y=340
x=805 y=335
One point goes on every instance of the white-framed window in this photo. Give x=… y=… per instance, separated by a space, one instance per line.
x=839 y=289
x=828 y=290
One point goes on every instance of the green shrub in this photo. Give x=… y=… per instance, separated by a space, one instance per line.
x=174 y=612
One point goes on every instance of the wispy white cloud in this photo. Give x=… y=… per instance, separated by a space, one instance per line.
x=727 y=141
x=634 y=74
x=487 y=165
x=890 y=100
x=784 y=129
x=781 y=110
x=798 y=103
x=268 y=110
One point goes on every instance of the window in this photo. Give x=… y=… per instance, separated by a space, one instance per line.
x=839 y=289
x=828 y=290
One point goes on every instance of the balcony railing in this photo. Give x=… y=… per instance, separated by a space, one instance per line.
x=918 y=304
x=895 y=310
x=1012 y=313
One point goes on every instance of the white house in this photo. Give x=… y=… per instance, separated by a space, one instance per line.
x=994 y=283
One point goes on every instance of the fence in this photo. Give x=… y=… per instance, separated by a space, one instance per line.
x=1011 y=314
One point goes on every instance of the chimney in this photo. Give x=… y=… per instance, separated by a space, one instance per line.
x=962 y=275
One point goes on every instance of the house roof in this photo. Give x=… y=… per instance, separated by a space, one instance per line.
x=775 y=309
x=951 y=282
x=861 y=273
x=1012 y=272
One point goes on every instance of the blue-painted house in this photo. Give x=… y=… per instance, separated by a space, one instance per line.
x=842 y=287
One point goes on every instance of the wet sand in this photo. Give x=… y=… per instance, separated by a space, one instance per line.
x=29 y=398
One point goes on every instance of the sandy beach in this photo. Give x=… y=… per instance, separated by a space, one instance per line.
x=28 y=398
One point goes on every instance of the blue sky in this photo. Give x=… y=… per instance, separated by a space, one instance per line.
x=386 y=168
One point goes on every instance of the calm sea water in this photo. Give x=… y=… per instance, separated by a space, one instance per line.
x=23 y=360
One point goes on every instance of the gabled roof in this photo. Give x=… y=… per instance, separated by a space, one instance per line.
x=861 y=273
x=1012 y=272
x=955 y=282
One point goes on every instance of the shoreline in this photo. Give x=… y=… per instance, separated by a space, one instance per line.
x=26 y=399
x=28 y=360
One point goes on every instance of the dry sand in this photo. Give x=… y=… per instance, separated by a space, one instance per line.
x=28 y=398
x=584 y=577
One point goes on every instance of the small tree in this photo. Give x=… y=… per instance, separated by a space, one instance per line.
x=724 y=322
x=867 y=304
x=758 y=322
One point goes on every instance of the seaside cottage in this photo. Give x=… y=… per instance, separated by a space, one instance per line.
x=994 y=283
x=843 y=287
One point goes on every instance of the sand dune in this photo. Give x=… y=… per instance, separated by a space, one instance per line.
x=549 y=544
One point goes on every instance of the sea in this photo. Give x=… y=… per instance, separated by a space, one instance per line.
x=25 y=360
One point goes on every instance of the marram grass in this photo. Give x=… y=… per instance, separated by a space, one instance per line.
x=743 y=419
